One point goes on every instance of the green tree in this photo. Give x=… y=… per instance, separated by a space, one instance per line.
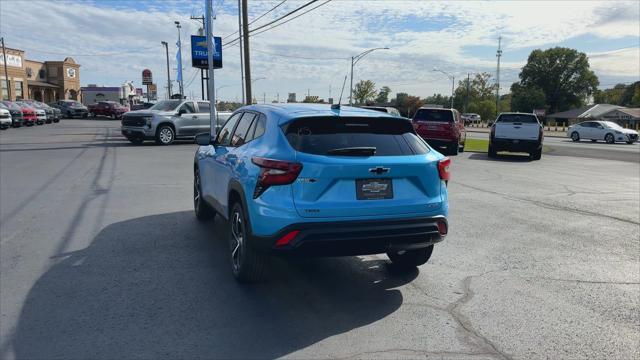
x=438 y=99
x=383 y=95
x=526 y=99
x=364 y=91
x=610 y=96
x=485 y=108
x=562 y=74
x=631 y=95
x=480 y=87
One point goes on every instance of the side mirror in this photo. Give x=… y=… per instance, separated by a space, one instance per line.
x=180 y=112
x=203 y=139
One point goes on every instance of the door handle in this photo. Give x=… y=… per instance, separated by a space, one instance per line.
x=194 y=117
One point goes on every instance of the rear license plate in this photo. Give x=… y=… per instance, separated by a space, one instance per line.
x=374 y=189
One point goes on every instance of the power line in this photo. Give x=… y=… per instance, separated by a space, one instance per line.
x=256 y=19
x=253 y=31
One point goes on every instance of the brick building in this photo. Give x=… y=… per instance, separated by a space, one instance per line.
x=46 y=81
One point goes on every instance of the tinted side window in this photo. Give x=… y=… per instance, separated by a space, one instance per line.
x=240 y=135
x=204 y=107
x=225 y=134
x=188 y=108
x=260 y=126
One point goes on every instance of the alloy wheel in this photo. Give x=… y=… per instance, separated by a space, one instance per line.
x=237 y=240
x=166 y=135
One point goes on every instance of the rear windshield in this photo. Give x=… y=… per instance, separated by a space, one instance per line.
x=518 y=118
x=324 y=135
x=433 y=115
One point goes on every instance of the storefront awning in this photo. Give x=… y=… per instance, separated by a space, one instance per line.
x=42 y=84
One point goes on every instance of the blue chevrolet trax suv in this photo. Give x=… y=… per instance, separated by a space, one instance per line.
x=317 y=180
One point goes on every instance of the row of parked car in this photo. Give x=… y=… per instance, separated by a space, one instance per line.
x=27 y=113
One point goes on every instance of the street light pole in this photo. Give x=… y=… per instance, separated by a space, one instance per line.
x=166 y=48
x=453 y=81
x=354 y=61
x=181 y=80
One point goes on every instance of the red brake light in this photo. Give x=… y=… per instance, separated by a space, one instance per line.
x=287 y=238
x=442 y=228
x=274 y=172
x=443 y=169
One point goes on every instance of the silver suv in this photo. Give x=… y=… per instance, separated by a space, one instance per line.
x=168 y=120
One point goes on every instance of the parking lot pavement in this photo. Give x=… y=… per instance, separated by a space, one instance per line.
x=101 y=257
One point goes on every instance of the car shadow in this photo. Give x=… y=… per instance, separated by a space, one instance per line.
x=501 y=157
x=160 y=286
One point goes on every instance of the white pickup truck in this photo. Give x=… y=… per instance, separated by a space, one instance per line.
x=516 y=132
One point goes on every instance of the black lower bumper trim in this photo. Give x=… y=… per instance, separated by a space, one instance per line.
x=346 y=238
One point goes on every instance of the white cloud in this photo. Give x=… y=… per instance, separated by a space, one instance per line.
x=422 y=34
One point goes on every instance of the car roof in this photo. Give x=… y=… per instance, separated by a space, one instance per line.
x=286 y=112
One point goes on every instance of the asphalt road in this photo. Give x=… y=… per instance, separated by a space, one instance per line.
x=584 y=148
x=101 y=257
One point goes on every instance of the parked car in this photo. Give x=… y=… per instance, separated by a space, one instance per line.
x=471 y=118
x=17 y=118
x=142 y=106
x=40 y=115
x=110 y=109
x=57 y=113
x=312 y=180
x=72 y=108
x=29 y=117
x=49 y=115
x=441 y=128
x=167 y=121
x=608 y=131
x=5 y=119
x=384 y=109
x=516 y=132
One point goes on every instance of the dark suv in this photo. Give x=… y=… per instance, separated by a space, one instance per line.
x=72 y=108
x=441 y=128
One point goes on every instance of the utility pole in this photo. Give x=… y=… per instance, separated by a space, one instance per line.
x=240 y=42
x=6 y=73
x=466 y=100
x=166 y=48
x=211 y=90
x=264 y=97
x=278 y=97
x=247 y=62
x=498 y=55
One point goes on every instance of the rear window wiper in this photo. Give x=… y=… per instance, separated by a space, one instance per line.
x=353 y=151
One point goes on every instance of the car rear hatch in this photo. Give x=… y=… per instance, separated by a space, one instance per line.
x=367 y=166
x=517 y=127
x=434 y=123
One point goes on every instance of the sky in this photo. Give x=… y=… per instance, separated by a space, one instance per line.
x=114 y=41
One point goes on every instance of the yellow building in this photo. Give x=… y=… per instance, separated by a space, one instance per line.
x=46 y=81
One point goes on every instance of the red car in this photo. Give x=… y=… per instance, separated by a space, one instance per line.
x=441 y=128
x=111 y=109
x=28 y=114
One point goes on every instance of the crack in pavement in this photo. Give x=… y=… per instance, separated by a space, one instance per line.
x=549 y=206
x=443 y=354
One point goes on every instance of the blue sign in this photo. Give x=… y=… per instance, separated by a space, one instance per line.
x=199 y=52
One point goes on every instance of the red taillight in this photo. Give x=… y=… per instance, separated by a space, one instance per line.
x=274 y=172
x=442 y=228
x=443 y=169
x=287 y=238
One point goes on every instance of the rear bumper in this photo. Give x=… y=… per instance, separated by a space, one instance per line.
x=514 y=145
x=345 y=238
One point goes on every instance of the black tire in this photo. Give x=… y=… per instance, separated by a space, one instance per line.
x=575 y=137
x=247 y=265
x=609 y=138
x=203 y=211
x=165 y=135
x=462 y=147
x=536 y=155
x=410 y=258
x=136 y=141
x=492 y=152
x=453 y=149
x=85 y=115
